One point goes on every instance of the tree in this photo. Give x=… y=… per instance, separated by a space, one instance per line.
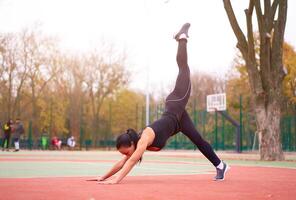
x=127 y=111
x=266 y=76
x=41 y=57
x=105 y=74
x=289 y=84
x=238 y=84
x=58 y=92
x=72 y=79
x=13 y=72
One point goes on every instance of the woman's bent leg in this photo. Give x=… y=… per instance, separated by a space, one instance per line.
x=188 y=129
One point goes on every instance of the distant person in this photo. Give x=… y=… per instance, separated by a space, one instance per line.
x=71 y=142
x=7 y=129
x=44 y=139
x=18 y=131
x=56 y=143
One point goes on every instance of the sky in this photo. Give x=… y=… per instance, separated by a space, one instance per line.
x=144 y=29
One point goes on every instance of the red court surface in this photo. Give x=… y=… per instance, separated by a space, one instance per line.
x=242 y=183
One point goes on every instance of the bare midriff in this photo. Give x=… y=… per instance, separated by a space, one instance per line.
x=153 y=149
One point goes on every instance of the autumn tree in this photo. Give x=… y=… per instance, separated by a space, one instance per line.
x=105 y=73
x=265 y=76
x=40 y=57
x=238 y=81
x=127 y=111
x=72 y=80
x=13 y=72
x=289 y=84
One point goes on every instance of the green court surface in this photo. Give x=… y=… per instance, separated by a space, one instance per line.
x=33 y=164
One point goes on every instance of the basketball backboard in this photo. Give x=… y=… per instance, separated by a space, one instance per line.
x=216 y=102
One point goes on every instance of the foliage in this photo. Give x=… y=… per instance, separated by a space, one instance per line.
x=58 y=92
x=289 y=83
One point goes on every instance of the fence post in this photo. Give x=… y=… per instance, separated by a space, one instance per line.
x=143 y=116
x=81 y=137
x=30 y=139
x=289 y=134
x=136 y=117
x=216 y=130
x=204 y=121
x=110 y=120
x=240 y=121
x=223 y=133
x=294 y=146
x=237 y=126
x=195 y=114
x=50 y=119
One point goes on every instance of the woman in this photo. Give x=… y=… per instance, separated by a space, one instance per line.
x=175 y=119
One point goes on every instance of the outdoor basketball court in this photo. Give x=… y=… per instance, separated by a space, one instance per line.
x=161 y=175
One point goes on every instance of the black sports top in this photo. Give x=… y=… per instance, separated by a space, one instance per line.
x=164 y=128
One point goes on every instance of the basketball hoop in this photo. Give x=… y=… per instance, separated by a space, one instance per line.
x=212 y=109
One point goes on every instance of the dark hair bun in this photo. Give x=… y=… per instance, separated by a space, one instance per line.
x=133 y=135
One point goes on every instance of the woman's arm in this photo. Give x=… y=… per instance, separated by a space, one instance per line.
x=146 y=138
x=114 y=169
x=132 y=161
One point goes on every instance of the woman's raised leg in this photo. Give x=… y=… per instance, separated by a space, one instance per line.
x=178 y=98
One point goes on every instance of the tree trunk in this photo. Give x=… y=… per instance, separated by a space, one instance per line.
x=268 y=127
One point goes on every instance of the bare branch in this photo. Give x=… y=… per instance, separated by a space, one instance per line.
x=242 y=42
x=259 y=16
x=273 y=8
x=251 y=49
x=266 y=7
x=278 y=39
x=251 y=7
x=282 y=18
x=271 y=15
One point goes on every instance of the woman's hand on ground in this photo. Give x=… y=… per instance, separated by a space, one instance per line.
x=108 y=182
x=101 y=179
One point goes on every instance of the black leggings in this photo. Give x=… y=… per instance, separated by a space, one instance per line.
x=176 y=103
x=178 y=98
x=188 y=129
